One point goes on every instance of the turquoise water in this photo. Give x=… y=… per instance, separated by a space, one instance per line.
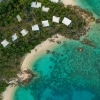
x=66 y=73
x=91 y=5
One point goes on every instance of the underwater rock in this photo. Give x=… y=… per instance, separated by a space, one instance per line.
x=88 y=42
x=48 y=51
x=80 y=49
x=98 y=20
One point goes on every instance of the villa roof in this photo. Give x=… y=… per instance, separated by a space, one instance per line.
x=24 y=32
x=45 y=23
x=35 y=27
x=36 y=4
x=55 y=19
x=18 y=18
x=66 y=21
x=55 y=1
x=45 y=9
x=4 y=43
x=14 y=37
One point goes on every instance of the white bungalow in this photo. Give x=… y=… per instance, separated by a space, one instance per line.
x=54 y=1
x=4 y=43
x=24 y=32
x=35 y=27
x=45 y=23
x=18 y=18
x=66 y=21
x=35 y=4
x=45 y=9
x=55 y=19
x=14 y=37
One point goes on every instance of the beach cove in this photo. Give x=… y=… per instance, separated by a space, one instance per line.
x=51 y=68
x=36 y=53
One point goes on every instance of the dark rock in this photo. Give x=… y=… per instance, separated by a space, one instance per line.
x=98 y=20
x=59 y=42
x=47 y=51
x=80 y=49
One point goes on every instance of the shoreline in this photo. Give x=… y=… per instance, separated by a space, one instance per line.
x=8 y=94
x=41 y=50
x=37 y=52
x=30 y=59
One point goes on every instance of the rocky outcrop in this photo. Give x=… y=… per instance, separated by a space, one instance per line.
x=88 y=42
x=87 y=16
x=23 y=78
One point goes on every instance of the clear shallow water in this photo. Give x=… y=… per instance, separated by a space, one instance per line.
x=67 y=74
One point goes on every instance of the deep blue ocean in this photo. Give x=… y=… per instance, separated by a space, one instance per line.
x=66 y=73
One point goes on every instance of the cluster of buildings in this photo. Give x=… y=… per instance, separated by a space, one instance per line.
x=35 y=27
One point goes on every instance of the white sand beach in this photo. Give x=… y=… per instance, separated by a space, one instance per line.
x=40 y=50
x=69 y=2
x=8 y=93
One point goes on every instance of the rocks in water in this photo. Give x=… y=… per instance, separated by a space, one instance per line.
x=59 y=42
x=48 y=51
x=50 y=67
x=88 y=42
x=80 y=49
x=23 y=78
x=98 y=20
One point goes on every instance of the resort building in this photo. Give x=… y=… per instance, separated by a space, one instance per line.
x=45 y=9
x=24 y=32
x=55 y=19
x=4 y=43
x=18 y=18
x=35 y=4
x=45 y=23
x=55 y=1
x=14 y=37
x=66 y=21
x=35 y=27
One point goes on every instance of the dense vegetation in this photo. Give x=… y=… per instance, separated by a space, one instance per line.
x=11 y=57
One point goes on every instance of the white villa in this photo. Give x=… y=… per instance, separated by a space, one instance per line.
x=35 y=4
x=35 y=27
x=45 y=9
x=45 y=23
x=66 y=21
x=54 y=1
x=18 y=18
x=4 y=43
x=55 y=19
x=24 y=32
x=14 y=37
